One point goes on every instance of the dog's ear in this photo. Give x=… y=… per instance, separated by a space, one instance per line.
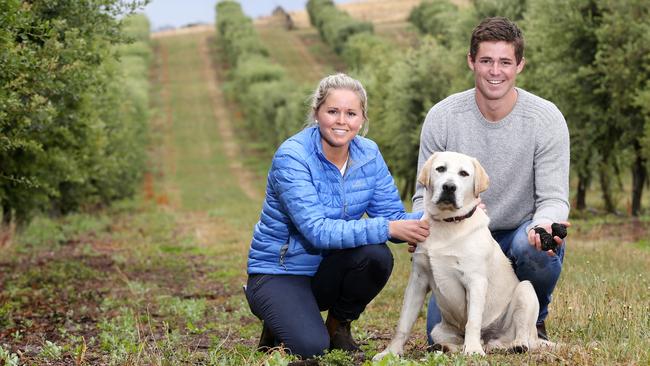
x=425 y=173
x=481 y=179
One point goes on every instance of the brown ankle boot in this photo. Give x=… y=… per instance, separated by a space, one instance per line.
x=340 y=335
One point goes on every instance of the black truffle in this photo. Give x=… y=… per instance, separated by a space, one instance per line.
x=547 y=239
x=559 y=230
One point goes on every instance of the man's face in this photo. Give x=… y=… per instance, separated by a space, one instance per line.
x=495 y=69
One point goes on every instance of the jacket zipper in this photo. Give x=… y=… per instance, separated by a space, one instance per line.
x=343 y=195
x=283 y=252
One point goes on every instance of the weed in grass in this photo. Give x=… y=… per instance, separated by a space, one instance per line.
x=643 y=244
x=218 y=212
x=279 y=358
x=191 y=311
x=79 y=225
x=7 y=358
x=430 y=359
x=42 y=232
x=120 y=336
x=336 y=358
x=7 y=310
x=51 y=351
x=79 y=351
x=139 y=289
x=226 y=274
x=17 y=335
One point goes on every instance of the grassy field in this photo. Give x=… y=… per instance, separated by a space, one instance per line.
x=300 y=51
x=157 y=280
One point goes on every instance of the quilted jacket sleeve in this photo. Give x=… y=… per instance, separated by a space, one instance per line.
x=386 y=201
x=292 y=181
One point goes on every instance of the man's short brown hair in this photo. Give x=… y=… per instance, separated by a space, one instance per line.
x=497 y=29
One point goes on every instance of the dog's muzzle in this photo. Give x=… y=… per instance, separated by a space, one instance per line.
x=448 y=195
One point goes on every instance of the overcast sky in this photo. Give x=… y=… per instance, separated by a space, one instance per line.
x=176 y=13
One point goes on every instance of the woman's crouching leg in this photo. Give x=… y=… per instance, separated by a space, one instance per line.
x=288 y=308
x=347 y=280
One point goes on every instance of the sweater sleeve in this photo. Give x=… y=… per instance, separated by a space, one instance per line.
x=551 y=172
x=291 y=179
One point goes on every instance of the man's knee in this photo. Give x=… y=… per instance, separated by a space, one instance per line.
x=520 y=247
x=532 y=264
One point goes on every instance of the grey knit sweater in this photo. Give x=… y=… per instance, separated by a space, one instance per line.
x=526 y=156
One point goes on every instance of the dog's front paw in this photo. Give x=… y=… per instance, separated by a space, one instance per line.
x=473 y=349
x=383 y=354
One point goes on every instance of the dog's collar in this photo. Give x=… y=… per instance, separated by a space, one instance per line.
x=459 y=218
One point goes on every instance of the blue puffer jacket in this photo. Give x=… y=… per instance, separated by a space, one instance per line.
x=310 y=208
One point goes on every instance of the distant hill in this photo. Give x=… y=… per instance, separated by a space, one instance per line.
x=375 y=11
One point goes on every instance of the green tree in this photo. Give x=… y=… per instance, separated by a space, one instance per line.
x=335 y=26
x=622 y=65
x=54 y=75
x=560 y=51
x=511 y=9
x=436 y=18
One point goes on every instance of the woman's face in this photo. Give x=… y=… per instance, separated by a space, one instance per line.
x=340 y=118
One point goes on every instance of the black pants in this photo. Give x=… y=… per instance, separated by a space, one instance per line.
x=346 y=281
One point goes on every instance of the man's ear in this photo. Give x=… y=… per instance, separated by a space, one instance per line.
x=481 y=179
x=470 y=62
x=521 y=65
x=425 y=173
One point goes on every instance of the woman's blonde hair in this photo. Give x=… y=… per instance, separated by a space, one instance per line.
x=334 y=82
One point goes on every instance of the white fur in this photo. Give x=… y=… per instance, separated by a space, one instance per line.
x=483 y=304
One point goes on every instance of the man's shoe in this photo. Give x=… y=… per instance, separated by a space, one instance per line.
x=541 y=331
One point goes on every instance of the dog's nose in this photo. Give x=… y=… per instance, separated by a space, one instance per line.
x=449 y=187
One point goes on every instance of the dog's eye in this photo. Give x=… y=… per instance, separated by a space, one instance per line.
x=441 y=169
x=463 y=173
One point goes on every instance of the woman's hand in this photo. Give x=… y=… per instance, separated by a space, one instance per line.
x=411 y=231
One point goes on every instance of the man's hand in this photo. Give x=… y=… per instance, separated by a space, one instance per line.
x=411 y=231
x=534 y=239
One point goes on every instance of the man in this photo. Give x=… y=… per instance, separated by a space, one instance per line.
x=523 y=143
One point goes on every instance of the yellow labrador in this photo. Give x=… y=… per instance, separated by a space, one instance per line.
x=482 y=302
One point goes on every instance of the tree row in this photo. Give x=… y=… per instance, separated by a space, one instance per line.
x=73 y=105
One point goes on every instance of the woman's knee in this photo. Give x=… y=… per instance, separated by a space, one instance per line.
x=377 y=254
x=378 y=259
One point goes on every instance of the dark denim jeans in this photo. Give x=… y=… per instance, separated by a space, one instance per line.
x=529 y=264
x=346 y=281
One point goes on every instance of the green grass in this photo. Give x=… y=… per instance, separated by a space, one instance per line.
x=289 y=49
x=198 y=159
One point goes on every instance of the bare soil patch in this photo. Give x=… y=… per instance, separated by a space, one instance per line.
x=60 y=294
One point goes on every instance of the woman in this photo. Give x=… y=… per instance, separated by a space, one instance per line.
x=312 y=250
